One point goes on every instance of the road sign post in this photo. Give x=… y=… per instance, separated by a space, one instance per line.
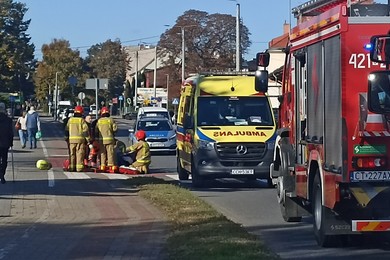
x=96 y=84
x=81 y=96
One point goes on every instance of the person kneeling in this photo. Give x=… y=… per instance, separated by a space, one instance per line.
x=142 y=158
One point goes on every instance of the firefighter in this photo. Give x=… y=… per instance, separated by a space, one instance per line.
x=77 y=133
x=105 y=130
x=141 y=149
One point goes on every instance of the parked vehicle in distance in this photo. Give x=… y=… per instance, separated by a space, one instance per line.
x=160 y=133
x=153 y=111
x=130 y=115
x=92 y=110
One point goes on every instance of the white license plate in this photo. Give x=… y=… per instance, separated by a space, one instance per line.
x=370 y=176
x=242 y=171
x=156 y=144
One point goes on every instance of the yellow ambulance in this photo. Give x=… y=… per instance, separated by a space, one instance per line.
x=225 y=128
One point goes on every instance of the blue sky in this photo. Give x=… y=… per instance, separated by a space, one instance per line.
x=87 y=22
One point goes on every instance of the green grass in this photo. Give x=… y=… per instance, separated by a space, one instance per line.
x=198 y=231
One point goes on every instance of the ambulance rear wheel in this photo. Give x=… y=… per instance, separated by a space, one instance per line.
x=183 y=174
x=319 y=213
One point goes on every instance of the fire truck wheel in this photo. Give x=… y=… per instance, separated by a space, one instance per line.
x=287 y=206
x=319 y=213
x=183 y=174
x=197 y=181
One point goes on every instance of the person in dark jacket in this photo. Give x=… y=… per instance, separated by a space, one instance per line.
x=33 y=126
x=6 y=140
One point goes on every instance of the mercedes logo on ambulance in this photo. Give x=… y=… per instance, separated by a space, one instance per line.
x=241 y=149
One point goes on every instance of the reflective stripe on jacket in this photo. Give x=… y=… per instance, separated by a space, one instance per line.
x=105 y=130
x=77 y=129
x=142 y=152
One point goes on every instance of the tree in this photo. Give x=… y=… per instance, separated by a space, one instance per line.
x=109 y=60
x=210 y=41
x=16 y=51
x=60 y=61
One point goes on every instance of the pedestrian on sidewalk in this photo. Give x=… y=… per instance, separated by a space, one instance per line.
x=33 y=126
x=6 y=140
x=23 y=129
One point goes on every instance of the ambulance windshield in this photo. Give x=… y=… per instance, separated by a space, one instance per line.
x=234 y=111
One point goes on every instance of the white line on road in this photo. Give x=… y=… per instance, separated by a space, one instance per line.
x=114 y=176
x=77 y=175
x=50 y=172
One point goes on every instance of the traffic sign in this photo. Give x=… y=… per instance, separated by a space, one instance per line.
x=175 y=101
x=128 y=100
x=120 y=98
x=81 y=95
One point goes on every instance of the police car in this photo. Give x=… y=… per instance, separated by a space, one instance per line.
x=160 y=133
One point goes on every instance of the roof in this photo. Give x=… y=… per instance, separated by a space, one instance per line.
x=279 y=42
x=153 y=109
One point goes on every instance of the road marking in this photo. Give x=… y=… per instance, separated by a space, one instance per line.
x=77 y=175
x=115 y=176
x=173 y=176
x=50 y=177
x=50 y=172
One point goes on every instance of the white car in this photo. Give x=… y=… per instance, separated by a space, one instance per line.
x=153 y=112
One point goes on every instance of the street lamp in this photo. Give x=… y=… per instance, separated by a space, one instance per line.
x=183 y=48
x=167 y=90
x=56 y=97
x=238 y=48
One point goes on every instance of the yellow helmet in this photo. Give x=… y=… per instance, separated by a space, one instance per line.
x=43 y=165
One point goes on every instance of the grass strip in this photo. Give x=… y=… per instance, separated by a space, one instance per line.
x=198 y=230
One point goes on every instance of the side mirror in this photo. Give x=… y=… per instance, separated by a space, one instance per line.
x=188 y=122
x=262 y=59
x=378 y=95
x=380 y=48
x=261 y=81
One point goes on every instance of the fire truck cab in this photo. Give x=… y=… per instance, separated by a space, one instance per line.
x=332 y=150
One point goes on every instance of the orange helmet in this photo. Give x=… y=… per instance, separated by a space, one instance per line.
x=140 y=135
x=78 y=110
x=104 y=110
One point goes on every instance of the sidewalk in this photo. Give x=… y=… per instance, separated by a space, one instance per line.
x=65 y=218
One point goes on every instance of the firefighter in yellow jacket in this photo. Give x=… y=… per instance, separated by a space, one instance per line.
x=77 y=135
x=105 y=130
x=142 y=153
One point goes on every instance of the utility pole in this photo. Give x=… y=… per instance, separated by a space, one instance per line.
x=183 y=47
x=167 y=90
x=238 y=52
x=155 y=72
x=136 y=80
x=56 y=98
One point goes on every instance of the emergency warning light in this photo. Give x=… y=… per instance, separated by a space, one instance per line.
x=368 y=47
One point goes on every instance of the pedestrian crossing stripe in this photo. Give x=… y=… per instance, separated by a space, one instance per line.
x=77 y=175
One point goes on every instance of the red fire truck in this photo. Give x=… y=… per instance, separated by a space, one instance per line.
x=332 y=152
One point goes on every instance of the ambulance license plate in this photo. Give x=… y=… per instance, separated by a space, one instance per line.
x=243 y=171
x=370 y=176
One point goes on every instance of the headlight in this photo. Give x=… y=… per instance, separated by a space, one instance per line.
x=206 y=145
x=172 y=137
